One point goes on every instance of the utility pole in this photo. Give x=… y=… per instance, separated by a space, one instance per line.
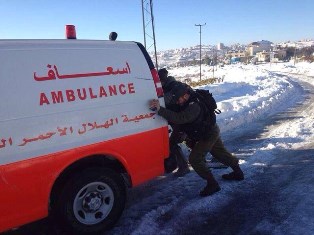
x=295 y=53
x=149 y=27
x=213 y=62
x=200 y=25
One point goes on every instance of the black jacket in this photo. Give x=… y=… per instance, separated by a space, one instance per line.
x=191 y=118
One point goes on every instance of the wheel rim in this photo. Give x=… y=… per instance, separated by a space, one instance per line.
x=93 y=203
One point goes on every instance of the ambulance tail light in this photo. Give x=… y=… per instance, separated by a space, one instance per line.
x=70 y=32
x=159 y=91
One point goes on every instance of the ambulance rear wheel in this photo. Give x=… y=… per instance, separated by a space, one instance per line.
x=92 y=201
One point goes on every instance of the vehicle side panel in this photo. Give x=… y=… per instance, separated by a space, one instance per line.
x=25 y=186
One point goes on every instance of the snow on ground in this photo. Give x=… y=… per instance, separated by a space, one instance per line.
x=302 y=68
x=248 y=94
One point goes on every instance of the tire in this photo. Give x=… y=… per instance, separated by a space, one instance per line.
x=92 y=201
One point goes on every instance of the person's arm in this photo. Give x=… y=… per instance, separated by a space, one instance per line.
x=188 y=115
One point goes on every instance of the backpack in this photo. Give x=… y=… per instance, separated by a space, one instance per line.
x=206 y=98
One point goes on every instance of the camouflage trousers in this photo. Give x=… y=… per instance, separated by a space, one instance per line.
x=215 y=146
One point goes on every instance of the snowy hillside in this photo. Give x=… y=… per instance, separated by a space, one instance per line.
x=299 y=44
x=173 y=57
x=246 y=91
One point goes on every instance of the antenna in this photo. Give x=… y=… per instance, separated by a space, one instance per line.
x=149 y=27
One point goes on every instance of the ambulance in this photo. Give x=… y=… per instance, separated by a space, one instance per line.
x=76 y=130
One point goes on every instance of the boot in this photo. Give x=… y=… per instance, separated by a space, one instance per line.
x=237 y=174
x=211 y=187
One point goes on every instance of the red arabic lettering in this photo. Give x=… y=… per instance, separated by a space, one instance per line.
x=54 y=74
x=92 y=126
x=40 y=137
x=63 y=131
x=3 y=141
x=128 y=66
x=138 y=117
x=84 y=129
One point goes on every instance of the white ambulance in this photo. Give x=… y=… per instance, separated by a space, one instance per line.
x=76 y=130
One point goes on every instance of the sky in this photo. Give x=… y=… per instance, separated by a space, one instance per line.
x=227 y=21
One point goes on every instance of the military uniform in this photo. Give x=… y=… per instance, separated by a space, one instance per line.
x=207 y=141
x=191 y=118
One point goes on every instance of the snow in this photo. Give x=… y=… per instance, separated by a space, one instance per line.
x=251 y=98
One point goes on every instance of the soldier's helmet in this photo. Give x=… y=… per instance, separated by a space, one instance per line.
x=179 y=90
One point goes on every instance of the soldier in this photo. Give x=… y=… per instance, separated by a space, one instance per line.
x=192 y=119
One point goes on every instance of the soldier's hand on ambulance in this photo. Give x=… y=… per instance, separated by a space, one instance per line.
x=154 y=105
